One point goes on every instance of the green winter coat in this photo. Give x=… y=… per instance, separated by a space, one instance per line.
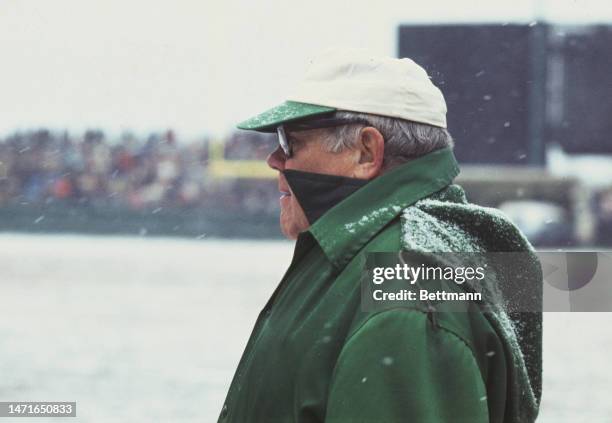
x=315 y=356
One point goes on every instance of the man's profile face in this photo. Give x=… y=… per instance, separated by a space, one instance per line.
x=309 y=155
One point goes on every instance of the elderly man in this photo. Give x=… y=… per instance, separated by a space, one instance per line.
x=365 y=164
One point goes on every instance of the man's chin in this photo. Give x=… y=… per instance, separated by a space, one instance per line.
x=287 y=228
x=287 y=232
x=290 y=228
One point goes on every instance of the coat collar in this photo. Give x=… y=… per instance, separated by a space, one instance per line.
x=347 y=227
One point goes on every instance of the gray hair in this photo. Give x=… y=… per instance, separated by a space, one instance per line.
x=404 y=140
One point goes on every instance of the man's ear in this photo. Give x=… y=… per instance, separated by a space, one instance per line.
x=370 y=152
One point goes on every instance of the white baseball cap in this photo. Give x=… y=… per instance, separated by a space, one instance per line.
x=358 y=81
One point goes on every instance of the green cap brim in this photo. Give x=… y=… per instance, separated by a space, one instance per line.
x=289 y=111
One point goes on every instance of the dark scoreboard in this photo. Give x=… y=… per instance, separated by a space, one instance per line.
x=584 y=121
x=511 y=89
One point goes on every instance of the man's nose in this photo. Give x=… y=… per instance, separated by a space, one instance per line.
x=276 y=159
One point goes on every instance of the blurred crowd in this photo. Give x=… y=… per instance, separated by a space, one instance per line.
x=160 y=172
x=128 y=171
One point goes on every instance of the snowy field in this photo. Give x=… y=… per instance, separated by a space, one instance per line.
x=150 y=330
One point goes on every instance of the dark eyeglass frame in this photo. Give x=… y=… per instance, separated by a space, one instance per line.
x=281 y=130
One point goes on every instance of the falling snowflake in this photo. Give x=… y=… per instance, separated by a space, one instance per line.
x=387 y=361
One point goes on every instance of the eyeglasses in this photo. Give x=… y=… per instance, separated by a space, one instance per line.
x=284 y=142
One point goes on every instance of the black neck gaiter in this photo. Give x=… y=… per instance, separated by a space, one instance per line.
x=317 y=193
